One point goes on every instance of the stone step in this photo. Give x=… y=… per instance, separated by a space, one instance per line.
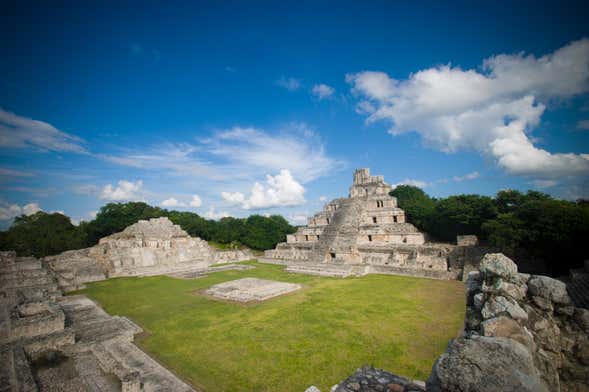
x=92 y=376
x=55 y=341
x=34 y=293
x=116 y=327
x=17 y=274
x=154 y=377
x=320 y=270
x=25 y=281
x=21 y=265
x=109 y=364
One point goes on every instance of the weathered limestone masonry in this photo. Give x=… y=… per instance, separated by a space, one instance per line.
x=54 y=343
x=522 y=333
x=149 y=247
x=367 y=230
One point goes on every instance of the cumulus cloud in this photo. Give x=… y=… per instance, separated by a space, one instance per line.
x=322 y=198
x=291 y=84
x=11 y=211
x=467 y=177
x=249 y=151
x=491 y=111
x=239 y=154
x=172 y=202
x=297 y=219
x=322 y=91
x=124 y=191
x=233 y=197
x=22 y=132
x=281 y=190
x=212 y=214
x=196 y=201
x=544 y=183
x=408 y=181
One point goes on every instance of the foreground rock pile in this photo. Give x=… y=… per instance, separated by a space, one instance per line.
x=522 y=333
x=369 y=379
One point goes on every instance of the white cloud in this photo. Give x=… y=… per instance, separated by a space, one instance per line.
x=196 y=201
x=417 y=183
x=124 y=191
x=544 y=183
x=297 y=219
x=291 y=84
x=490 y=111
x=92 y=214
x=32 y=208
x=281 y=190
x=467 y=177
x=322 y=91
x=322 y=198
x=212 y=214
x=583 y=125
x=22 y=132
x=249 y=151
x=239 y=154
x=172 y=202
x=233 y=197
x=11 y=211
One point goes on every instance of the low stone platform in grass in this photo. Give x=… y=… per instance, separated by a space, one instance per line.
x=250 y=289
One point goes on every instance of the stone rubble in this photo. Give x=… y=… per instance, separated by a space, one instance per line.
x=369 y=379
x=526 y=337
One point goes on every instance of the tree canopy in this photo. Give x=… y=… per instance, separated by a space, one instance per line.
x=531 y=224
x=45 y=234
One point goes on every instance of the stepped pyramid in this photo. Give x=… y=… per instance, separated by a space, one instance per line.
x=366 y=228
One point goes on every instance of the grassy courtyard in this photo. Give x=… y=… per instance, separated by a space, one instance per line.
x=315 y=336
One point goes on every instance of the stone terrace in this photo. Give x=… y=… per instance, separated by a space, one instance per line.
x=250 y=289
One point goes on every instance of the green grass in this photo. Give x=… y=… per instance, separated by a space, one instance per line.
x=318 y=335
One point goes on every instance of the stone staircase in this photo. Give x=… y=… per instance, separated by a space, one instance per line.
x=25 y=279
x=109 y=340
x=341 y=234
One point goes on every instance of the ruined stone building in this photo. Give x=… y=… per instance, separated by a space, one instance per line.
x=366 y=229
x=148 y=247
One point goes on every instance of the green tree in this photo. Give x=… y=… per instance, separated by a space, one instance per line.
x=417 y=204
x=463 y=214
x=42 y=234
x=548 y=230
x=114 y=217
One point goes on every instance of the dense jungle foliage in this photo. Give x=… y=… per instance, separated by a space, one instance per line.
x=531 y=224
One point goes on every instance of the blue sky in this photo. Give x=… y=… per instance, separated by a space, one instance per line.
x=233 y=108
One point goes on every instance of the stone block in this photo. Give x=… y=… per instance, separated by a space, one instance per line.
x=250 y=289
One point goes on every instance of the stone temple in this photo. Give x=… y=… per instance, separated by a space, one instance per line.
x=366 y=229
